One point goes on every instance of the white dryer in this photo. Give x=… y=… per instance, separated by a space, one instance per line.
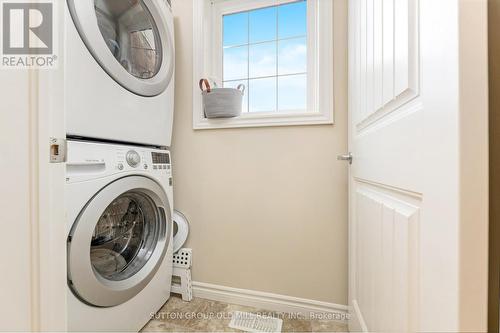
x=119 y=70
x=119 y=219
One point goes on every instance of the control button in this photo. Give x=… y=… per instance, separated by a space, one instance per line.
x=133 y=158
x=145 y=166
x=120 y=166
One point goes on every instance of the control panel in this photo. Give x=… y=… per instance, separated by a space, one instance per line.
x=90 y=160
x=145 y=159
x=161 y=160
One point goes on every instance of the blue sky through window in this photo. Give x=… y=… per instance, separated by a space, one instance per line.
x=236 y=29
x=266 y=49
x=263 y=24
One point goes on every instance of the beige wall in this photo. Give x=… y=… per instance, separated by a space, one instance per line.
x=267 y=206
x=473 y=39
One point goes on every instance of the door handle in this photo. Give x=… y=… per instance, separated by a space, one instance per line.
x=347 y=158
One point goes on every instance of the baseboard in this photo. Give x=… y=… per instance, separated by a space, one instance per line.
x=270 y=302
x=356 y=321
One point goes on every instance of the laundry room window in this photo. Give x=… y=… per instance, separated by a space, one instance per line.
x=266 y=50
x=276 y=49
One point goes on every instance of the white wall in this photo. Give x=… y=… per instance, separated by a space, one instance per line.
x=16 y=312
x=267 y=206
x=33 y=247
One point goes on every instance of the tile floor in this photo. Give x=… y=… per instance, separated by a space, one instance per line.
x=210 y=316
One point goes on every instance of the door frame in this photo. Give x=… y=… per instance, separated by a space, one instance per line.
x=49 y=252
x=494 y=269
x=48 y=224
x=35 y=285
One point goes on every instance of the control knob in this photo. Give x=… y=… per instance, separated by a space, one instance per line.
x=133 y=158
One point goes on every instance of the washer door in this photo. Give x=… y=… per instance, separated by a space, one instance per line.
x=118 y=241
x=130 y=39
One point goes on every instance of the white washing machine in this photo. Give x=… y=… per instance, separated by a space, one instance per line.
x=119 y=218
x=119 y=70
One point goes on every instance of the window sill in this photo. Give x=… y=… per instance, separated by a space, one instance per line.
x=265 y=120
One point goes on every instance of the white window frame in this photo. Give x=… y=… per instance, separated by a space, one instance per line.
x=207 y=63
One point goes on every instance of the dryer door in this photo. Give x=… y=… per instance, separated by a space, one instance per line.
x=130 y=39
x=118 y=241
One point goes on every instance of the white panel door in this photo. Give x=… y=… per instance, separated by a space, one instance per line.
x=404 y=87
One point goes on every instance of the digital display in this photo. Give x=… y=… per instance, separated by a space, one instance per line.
x=161 y=158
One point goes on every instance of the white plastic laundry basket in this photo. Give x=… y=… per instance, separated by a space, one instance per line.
x=222 y=102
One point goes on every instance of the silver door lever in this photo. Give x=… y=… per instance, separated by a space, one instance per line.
x=347 y=157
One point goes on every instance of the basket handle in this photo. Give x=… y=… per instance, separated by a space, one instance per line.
x=241 y=88
x=207 y=85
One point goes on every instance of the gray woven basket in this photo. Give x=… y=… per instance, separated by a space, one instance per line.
x=221 y=102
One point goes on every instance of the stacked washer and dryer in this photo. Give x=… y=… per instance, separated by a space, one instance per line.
x=119 y=100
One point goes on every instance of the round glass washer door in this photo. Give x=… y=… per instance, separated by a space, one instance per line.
x=118 y=241
x=130 y=39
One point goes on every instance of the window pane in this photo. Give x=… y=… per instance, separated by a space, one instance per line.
x=263 y=24
x=236 y=63
x=262 y=95
x=235 y=29
x=292 y=92
x=292 y=56
x=263 y=60
x=292 y=20
x=235 y=84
